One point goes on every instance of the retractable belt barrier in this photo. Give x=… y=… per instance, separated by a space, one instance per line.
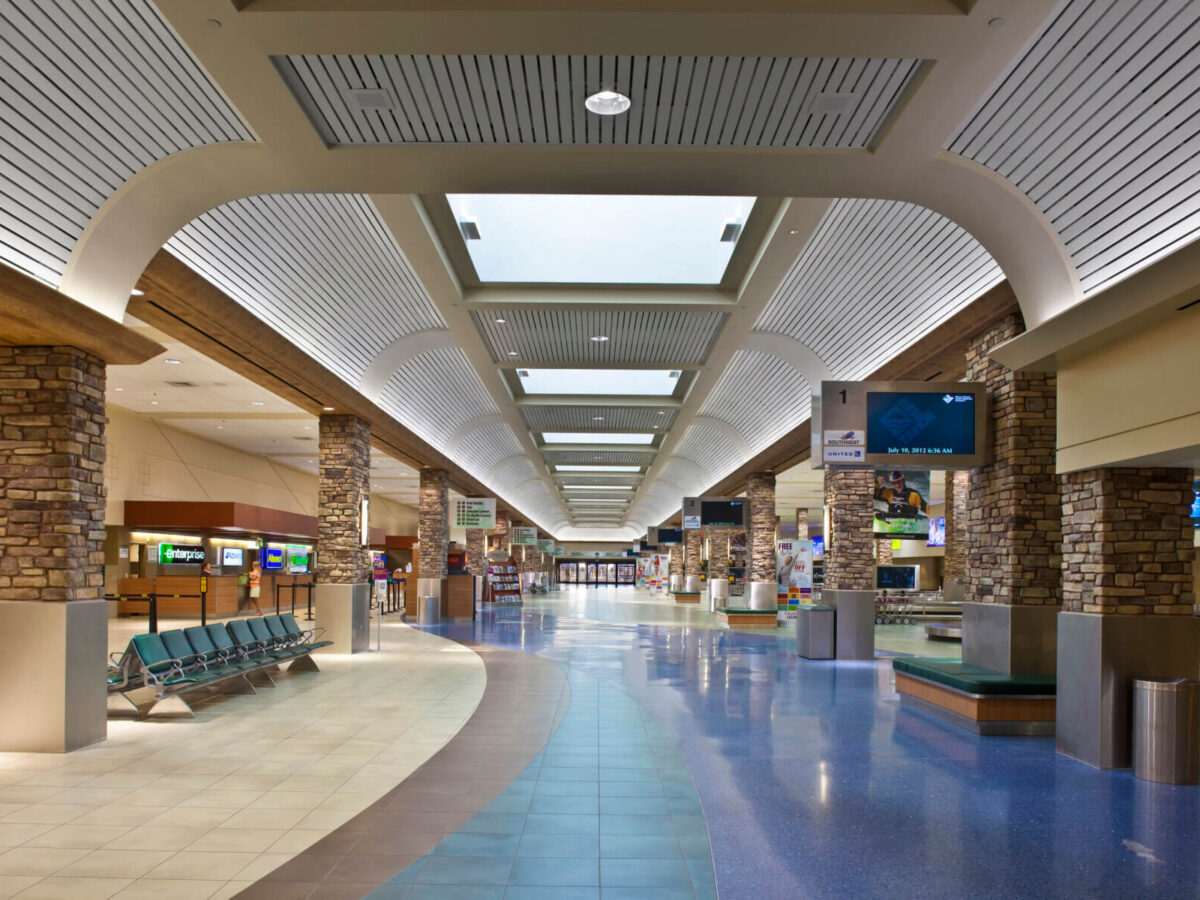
x=151 y=599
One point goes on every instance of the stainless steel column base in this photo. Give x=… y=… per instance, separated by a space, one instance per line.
x=691 y=584
x=762 y=595
x=1099 y=656
x=855 y=622
x=344 y=611
x=718 y=594
x=1016 y=639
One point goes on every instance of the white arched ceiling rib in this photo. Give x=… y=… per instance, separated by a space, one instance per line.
x=321 y=269
x=874 y=279
x=94 y=91
x=727 y=429
x=796 y=354
x=399 y=352
x=1097 y=124
x=434 y=393
x=483 y=446
x=759 y=396
x=466 y=428
x=712 y=448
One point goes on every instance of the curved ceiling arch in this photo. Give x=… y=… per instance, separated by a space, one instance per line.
x=727 y=430
x=396 y=354
x=795 y=353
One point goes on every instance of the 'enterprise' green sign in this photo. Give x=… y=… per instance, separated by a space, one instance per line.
x=174 y=555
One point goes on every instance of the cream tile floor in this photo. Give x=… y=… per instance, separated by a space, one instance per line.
x=201 y=808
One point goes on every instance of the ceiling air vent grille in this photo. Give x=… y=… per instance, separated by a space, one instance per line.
x=182 y=384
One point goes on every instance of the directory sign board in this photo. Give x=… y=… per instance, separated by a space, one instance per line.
x=475 y=512
x=901 y=424
x=545 y=546
x=524 y=537
x=177 y=555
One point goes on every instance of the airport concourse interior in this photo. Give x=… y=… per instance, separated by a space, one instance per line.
x=582 y=451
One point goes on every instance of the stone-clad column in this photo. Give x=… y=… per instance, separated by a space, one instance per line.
x=693 y=544
x=502 y=531
x=850 y=560
x=761 y=592
x=718 y=555
x=345 y=482
x=343 y=576
x=1014 y=519
x=476 y=563
x=955 y=572
x=52 y=613
x=433 y=531
x=1128 y=600
x=849 y=546
x=883 y=552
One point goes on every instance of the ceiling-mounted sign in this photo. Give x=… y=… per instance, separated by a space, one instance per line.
x=524 y=537
x=901 y=424
x=715 y=512
x=475 y=512
x=175 y=555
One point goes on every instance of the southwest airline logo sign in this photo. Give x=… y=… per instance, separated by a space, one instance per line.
x=854 y=438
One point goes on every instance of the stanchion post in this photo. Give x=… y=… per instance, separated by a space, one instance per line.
x=154 y=613
x=309 y=616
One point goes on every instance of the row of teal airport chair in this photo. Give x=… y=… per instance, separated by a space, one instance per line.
x=236 y=657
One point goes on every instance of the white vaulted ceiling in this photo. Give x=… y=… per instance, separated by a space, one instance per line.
x=1097 y=123
x=730 y=101
x=94 y=91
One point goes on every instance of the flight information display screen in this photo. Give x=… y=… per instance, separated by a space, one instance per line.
x=920 y=424
x=723 y=512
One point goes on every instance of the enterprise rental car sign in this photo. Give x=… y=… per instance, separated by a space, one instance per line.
x=174 y=555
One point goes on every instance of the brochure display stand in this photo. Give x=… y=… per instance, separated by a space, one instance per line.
x=503 y=583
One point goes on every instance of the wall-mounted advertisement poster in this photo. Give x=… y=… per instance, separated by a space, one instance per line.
x=793 y=576
x=901 y=504
x=937 y=532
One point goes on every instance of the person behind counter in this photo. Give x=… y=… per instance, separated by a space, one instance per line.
x=255 y=582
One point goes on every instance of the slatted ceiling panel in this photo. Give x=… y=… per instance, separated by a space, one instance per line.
x=634 y=336
x=709 y=448
x=761 y=396
x=1097 y=123
x=683 y=475
x=681 y=101
x=900 y=268
x=599 y=457
x=580 y=418
x=632 y=479
x=321 y=269
x=512 y=473
x=94 y=91
x=436 y=392
x=483 y=448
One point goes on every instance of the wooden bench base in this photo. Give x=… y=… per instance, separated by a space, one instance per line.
x=686 y=596
x=748 y=618
x=999 y=714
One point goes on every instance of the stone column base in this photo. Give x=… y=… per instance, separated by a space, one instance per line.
x=53 y=698
x=855 y=626
x=762 y=596
x=344 y=611
x=1098 y=658
x=1016 y=640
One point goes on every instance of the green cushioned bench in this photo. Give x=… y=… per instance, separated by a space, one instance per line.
x=981 y=700
x=974 y=680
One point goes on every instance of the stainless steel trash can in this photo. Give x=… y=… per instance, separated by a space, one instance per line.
x=815 y=632
x=429 y=611
x=1166 y=730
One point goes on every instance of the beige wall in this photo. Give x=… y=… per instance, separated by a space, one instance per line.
x=150 y=461
x=1133 y=398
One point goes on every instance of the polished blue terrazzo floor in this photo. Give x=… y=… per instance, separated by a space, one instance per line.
x=815 y=783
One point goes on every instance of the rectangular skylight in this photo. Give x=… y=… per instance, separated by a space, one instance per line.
x=595 y=437
x=596 y=487
x=599 y=239
x=629 y=382
x=598 y=468
x=597 y=500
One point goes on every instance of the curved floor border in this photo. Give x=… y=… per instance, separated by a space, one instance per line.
x=523 y=704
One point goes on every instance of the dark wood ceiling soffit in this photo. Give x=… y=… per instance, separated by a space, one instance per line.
x=939 y=357
x=34 y=315
x=182 y=304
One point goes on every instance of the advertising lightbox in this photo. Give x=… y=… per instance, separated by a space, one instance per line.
x=937 y=532
x=272 y=558
x=176 y=555
x=901 y=504
x=231 y=556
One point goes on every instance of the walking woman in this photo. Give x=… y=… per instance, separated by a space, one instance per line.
x=255 y=585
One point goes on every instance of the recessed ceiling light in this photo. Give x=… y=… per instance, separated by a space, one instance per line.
x=995 y=23
x=308 y=428
x=597 y=418
x=154 y=403
x=219 y=427
x=327 y=408
x=136 y=293
x=661 y=413
x=502 y=321
x=118 y=389
x=599 y=338
x=256 y=403
x=793 y=231
x=172 y=362
x=607 y=103
x=512 y=352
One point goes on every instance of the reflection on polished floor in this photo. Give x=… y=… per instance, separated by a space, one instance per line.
x=814 y=782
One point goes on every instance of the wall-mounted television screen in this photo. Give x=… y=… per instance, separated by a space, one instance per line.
x=920 y=424
x=1196 y=503
x=818 y=545
x=937 y=532
x=896 y=578
x=231 y=556
x=667 y=536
